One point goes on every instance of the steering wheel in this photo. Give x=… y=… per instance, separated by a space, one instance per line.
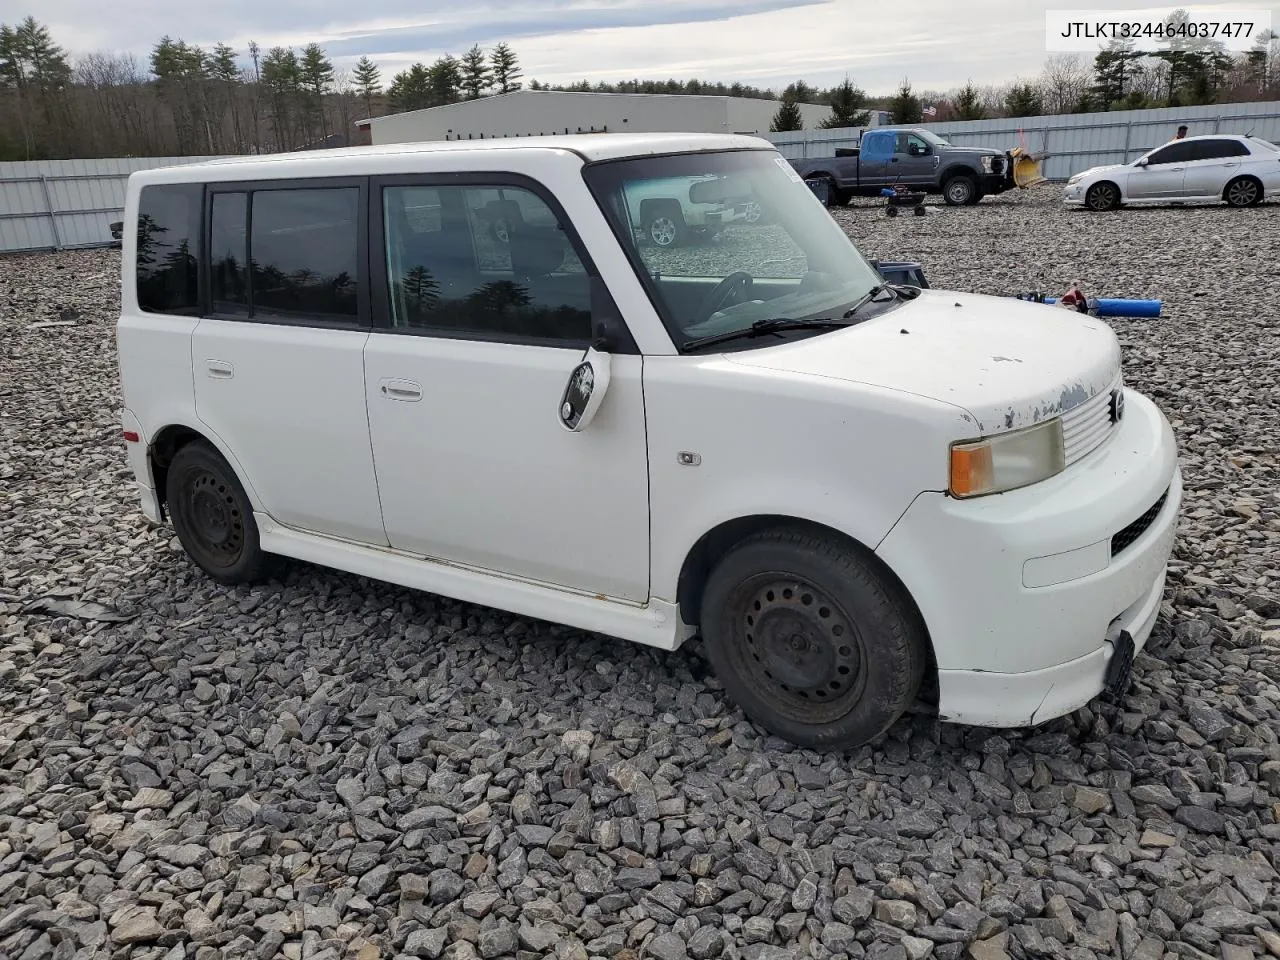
x=721 y=293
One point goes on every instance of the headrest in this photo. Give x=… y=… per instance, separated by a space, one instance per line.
x=536 y=252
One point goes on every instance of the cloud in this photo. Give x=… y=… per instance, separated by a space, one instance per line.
x=939 y=44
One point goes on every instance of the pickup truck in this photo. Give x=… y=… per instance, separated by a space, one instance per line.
x=915 y=158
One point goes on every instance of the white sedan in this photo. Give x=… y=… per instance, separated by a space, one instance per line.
x=1238 y=170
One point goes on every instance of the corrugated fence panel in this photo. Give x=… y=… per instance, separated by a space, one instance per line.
x=54 y=204
x=1074 y=142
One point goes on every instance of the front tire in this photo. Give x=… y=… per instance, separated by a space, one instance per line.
x=960 y=190
x=212 y=515
x=811 y=639
x=1102 y=196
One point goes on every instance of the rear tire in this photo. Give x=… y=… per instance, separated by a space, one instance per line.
x=212 y=515
x=1243 y=192
x=811 y=639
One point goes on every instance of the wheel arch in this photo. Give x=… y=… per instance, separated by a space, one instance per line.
x=956 y=169
x=172 y=437
x=1245 y=176
x=707 y=550
x=652 y=205
x=1105 y=181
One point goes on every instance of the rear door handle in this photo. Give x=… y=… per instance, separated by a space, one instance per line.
x=219 y=369
x=1232 y=163
x=396 y=389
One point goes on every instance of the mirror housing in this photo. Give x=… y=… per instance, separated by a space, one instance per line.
x=1140 y=162
x=583 y=394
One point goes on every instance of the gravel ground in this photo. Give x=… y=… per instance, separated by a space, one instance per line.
x=328 y=767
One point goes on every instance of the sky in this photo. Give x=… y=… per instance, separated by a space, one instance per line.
x=938 y=44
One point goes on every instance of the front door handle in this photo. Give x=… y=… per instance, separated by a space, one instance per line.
x=395 y=389
x=1232 y=163
x=219 y=369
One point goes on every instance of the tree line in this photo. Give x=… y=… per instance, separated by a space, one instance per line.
x=187 y=100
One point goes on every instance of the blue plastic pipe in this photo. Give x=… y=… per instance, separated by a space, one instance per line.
x=1117 y=307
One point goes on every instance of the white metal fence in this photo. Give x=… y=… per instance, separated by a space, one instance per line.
x=62 y=204
x=1073 y=141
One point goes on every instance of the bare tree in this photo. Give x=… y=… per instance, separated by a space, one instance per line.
x=1065 y=82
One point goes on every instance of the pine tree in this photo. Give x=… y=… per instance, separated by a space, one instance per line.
x=1024 y=100
x=1111 y=71
x=368 y=82
x=445 y=80
x=411 y=89
x=788 y=117
x=282 y=81
x=506 y=68
x=317 y=77
x=968 y=104
x=30 y=59
x=476 y=78
x=905 y=105
x=847 y=102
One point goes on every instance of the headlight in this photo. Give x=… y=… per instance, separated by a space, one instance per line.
x=1075 y=178
x=986 y=164
x=1008 y=460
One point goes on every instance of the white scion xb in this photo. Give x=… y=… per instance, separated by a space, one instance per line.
x=858 y=495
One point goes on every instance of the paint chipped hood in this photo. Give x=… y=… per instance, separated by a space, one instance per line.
x=1006 y=362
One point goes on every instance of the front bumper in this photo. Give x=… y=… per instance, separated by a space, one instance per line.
x=1073 y=195
x=1021 y=591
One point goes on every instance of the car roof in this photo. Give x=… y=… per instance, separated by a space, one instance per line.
x=590 y=147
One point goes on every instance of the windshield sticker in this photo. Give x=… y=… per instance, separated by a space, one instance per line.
x=790 y=170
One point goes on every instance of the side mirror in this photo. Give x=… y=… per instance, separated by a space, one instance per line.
x=585 y=390
x=1141 y=162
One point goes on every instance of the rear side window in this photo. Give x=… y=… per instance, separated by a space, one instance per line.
x=169 y=217
x=286 y=254
x=304 y=246
x=1217 y=149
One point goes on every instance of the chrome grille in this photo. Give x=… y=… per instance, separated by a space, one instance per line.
x=1089 y=425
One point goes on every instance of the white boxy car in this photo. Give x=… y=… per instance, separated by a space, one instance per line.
x=860 y=496
x=1240 y=171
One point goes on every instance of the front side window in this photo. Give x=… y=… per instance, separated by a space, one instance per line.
x=169 y=218
x=493 y=261
x=723 y=240
x=1179 y=152
x=912 y=145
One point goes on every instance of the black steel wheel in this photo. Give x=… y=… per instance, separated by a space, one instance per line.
x=212 y=515
x=1102 y=196
x=1243 y=192
x=811 y=639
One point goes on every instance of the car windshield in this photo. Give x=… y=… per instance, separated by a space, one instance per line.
x=723 y=240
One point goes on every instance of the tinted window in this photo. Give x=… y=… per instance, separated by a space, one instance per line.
x=169 y=220
x=229 y=254
x=1217 y=149
x=304 y=253
x=1174 y=153
x=484 y=260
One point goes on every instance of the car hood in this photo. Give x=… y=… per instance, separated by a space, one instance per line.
x=972 y=151
x=1107 y=168
x=1007 y=363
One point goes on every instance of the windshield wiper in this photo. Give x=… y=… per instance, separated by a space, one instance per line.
x=770 y=325
x=775 y=324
